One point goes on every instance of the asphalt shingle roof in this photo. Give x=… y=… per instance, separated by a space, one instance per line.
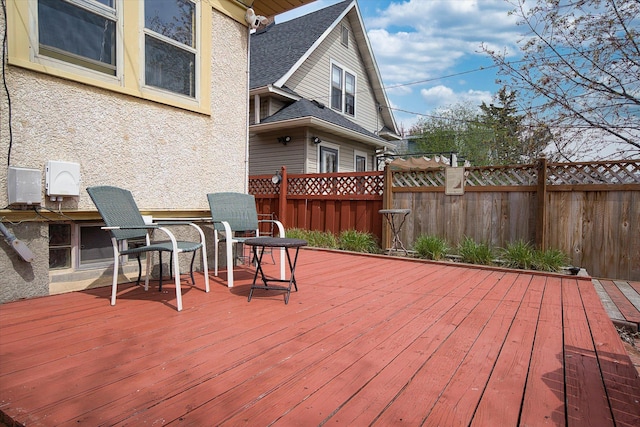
x=277 y=48
x=306 y=108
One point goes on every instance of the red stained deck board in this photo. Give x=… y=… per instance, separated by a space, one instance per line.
x=418 y=395
x=502 y=397
x=628 y=310
x=544 y=388
x=585 y=394
x=362 y=332
x=622 y=390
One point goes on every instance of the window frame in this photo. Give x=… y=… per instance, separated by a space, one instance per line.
x=344 y=35
x=66 y=66
x=331 y=148
x=360 y=154
x=344 y=94
x=167 y=40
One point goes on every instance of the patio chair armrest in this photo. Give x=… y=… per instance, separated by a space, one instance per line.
x=132 y=227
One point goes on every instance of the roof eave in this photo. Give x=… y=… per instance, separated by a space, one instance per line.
x=322 y=125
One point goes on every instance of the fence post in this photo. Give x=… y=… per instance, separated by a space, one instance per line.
x=541 y=193
x=282 y=197
x=387 y=203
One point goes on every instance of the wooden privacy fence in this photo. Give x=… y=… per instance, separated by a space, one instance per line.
x=590 y=210
x=325 y=202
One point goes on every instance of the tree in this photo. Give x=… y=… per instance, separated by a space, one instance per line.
x=581 y=68
x=456 y=129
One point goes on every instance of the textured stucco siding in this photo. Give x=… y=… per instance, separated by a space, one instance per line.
x=168 y=157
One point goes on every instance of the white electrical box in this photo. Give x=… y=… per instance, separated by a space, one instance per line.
x=62 y=179
x=24 y=186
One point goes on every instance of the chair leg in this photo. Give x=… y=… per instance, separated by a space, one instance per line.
x=139 y=269
x=229 y=245
x=114 y=286
x=193 y=258
x=215 y=252
x=148 y=272
x=176 y=275
x=160 y=282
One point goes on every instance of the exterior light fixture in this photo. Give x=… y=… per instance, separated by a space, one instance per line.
x=276 y=178
x=284 y=139
x=316 y=140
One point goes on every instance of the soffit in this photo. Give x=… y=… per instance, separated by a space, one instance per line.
x=274 y=7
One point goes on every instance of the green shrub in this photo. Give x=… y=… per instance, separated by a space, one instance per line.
x=431 y=247
x=475 y=253
x=317 y=239
x=519 y=254
x=549 y=260
x=358 y=241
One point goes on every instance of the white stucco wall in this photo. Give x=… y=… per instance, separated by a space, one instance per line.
x=168 y=157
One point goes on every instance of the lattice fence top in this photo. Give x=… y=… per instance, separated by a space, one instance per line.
x=263 y=186
x=336 y=185
x=474 y=177
x=502 y=176
x=620 y=172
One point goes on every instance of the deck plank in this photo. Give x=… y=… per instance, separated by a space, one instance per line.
x=502 y=398
x=366 y=340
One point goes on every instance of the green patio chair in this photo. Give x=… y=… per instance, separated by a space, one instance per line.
x=124 y=222
x=235 y=218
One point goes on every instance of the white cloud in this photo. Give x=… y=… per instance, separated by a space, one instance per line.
x=442 y=96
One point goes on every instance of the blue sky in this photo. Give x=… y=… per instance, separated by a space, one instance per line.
x=425 y=49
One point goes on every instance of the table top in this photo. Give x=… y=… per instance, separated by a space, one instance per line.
x=275 y=242
x=394 y=211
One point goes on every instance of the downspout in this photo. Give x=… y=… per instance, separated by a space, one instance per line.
x=18 y=246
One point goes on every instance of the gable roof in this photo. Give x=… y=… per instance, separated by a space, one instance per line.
x=276 y=49
x=280 y=49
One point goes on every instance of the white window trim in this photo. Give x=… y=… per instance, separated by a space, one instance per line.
x=343 y=29
x=69 y=67
x=357 y=154
x=331 y=146
x=344 y=87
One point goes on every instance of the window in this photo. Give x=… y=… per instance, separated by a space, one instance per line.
x=59 y=246
x=80 y=32
x=345 y=36
x=360 y=162
x=336 y=88
x=343 y=90
x=328 y=159
x=95 y=246
x=170 y=48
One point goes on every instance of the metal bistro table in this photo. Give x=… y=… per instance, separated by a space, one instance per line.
x=274 y=242
x=390 y=215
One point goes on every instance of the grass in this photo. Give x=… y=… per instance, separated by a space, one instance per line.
x=473 y=252
x=518 y=254
x=357 y=241
x=349 y=240
x=431 y=247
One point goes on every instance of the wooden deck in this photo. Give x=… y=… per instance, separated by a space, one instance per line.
x=621 y=300
x=367 y=340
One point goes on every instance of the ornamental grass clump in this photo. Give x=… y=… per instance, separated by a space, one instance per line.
x=358 y=241
x=475 y=253
x=431 y=247
x=316 y=239
x=549 y=260
x=518 y=254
